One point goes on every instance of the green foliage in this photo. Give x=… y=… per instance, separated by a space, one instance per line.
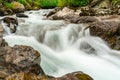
x=24 y=2
x=76 y=3
x=8 y=5
x=115 y=2
x=48 y=3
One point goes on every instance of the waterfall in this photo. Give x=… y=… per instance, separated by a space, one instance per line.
x=66 y=47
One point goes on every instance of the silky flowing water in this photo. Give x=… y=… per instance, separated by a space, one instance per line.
x=66 y=47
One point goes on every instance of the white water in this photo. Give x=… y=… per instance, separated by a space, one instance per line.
x=66 y=47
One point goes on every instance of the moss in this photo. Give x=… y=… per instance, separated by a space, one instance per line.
x=83 y=77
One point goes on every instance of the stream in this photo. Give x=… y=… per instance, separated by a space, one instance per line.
x=65 y=47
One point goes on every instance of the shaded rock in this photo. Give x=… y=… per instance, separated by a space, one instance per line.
x=104 y=29
x=3 y=12
x=100 y=4
x=3 y=43
x=107 y=30
x=84 y=19
x=12 y=23
x=51 y=13
x=21 y=15
x=25 y=76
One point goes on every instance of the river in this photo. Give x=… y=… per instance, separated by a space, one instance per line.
x=65 y=47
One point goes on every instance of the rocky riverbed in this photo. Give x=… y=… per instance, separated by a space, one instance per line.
x=22 y=62
x=102 y=24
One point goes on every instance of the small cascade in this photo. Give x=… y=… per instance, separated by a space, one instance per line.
x=66 y=47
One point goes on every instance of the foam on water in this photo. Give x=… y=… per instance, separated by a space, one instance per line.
x=66 y=47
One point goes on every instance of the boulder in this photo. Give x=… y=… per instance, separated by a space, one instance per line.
x=25 y=76
x=70 y=76
x=17 y=7
x=21 y=15
x=74 y=76
x=18 y=59
x=107 y=30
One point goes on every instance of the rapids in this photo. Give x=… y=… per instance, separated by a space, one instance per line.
x=66 y=47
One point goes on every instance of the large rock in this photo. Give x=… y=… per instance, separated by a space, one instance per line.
x=25 y=76
x=70 y=76
x=17 y=7
x=18 y=59
x=21 y=15
x=75 y=76
x=108 y=29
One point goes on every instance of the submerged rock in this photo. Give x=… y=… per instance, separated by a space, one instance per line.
x=21 y=15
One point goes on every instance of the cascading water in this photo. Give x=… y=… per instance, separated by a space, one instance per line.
x=66 y=47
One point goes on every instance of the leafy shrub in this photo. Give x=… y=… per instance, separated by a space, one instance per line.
x=62 y=3
x=8 y=5
x=76 y=3
x=22 y=2
x=115 y=2
x=48 y=3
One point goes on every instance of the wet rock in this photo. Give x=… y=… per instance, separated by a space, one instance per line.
x=21 y=15
x=70 y=76
x=74 y=76
x=107 y=30
x=25 y=76
x=11 y=22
